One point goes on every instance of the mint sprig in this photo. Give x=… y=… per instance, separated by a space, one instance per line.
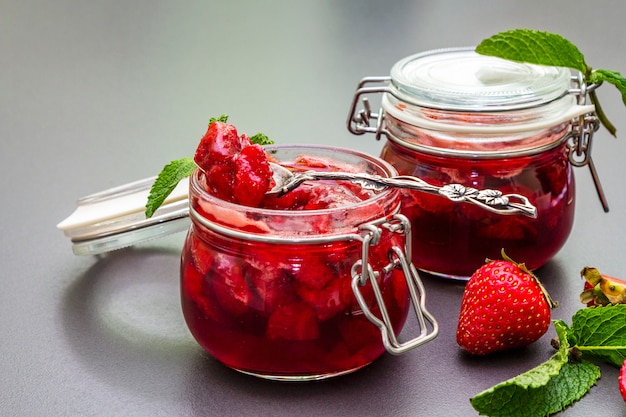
x=544 y=48
x=543 y=390
x=177 y=170
x=223 y=118
x=261 y=139
x=166 y=181
x=597 y=334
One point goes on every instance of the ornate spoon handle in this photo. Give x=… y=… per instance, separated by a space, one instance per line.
x=491 y=200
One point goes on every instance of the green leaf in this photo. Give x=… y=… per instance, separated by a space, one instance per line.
x=166 y=181
x=613 y=77
x=600 y=333
x=223 y=118
x=261 y=139
x=545 y=48
x=543 y=390
x=534 y=47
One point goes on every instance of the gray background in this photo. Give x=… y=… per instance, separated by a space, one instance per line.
x=98 y=93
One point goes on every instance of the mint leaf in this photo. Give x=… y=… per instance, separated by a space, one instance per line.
x=600 y=333
x=166 y=181
x=223 y=118
x=543 y=390
x=534 y=47
x=544 y=48
x=571 y=383
x=600 y=75
x=261 y=139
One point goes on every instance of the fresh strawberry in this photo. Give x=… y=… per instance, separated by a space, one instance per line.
x=621 y=379
x=504 y=306
x=601 y=289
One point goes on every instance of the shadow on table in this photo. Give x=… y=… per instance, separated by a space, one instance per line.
x=123 y=321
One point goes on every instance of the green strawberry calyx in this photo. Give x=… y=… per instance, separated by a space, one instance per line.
x=551 y=302
x=602 y=289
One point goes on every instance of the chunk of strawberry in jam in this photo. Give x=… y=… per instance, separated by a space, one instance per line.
x=331 y=195
x=330 y=300
x=293 y=200
x=230 y=287
x=236 y=170
x=219 y=144
x=314 y=275
x=252 y=176
x=220 y=181
x=201 y=257
x=271 y=286
x=293 y=322
x=358 y=334
x=195 y=290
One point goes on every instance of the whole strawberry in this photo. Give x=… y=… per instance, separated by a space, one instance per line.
x=504 y=307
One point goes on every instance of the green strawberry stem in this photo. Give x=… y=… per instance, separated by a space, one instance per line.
x=591 y=275
x=522 y=266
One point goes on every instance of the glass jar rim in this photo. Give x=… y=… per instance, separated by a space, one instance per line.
x=279 y=216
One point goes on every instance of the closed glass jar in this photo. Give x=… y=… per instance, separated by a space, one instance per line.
x=453 y=116
x=270 y=292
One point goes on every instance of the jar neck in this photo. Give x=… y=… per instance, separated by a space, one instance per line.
x=478 y=145
x=429 y=160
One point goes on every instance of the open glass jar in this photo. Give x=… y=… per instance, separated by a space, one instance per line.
x=299 y=295
x=455 y=116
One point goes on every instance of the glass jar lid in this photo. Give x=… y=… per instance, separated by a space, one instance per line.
x=115 y=218
x=460 y=79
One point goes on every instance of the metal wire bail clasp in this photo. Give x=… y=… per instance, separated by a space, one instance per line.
x=360 y=122
x=581 y=136
x=363 y=274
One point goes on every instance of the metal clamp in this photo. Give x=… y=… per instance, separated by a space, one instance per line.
x=581 y=136
x=361 y=122
x=400 y=258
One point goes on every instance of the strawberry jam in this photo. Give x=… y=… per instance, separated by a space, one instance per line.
x=454 y=239
x=267 y=290
x=452 y=116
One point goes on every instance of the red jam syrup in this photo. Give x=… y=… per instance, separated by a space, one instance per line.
x=266 y=297
x=453 y=239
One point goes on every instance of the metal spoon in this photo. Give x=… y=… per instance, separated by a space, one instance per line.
x=491 y=200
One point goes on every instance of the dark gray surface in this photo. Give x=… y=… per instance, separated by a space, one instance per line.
x=97 y=93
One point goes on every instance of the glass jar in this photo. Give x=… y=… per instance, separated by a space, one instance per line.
x=285 y=295
x=455 y=116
